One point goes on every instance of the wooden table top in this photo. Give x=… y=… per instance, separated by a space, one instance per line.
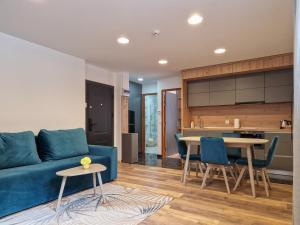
x=79 y=170
x=230 y=140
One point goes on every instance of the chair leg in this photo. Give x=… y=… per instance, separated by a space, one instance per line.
x=256 y=177
x=200 y=167
x=226 y=181
x=182 y=163
x=240 y=178
x=205 y=177
x=189 y=169
x=232 y=174
x=265 y=182
x=268 y=179
x=197 y=169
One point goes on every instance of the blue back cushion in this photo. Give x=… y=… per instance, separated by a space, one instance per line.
x=272 y=150
x=182 y=148
x=213 y=151
x=61 y=144
x=18 y=149
x=233 y=152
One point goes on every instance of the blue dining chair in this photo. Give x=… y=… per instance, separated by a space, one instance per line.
x=214 y=153
x=260 y=165
x=182 y=150
x=233 y=153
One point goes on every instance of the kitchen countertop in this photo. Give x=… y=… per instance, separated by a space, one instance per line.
x=263 y=129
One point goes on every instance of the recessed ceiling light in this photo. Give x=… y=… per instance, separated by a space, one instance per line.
x=220 y=50
x=123 y=40
x=140 y=79
x=195 y=19
x=163 y=61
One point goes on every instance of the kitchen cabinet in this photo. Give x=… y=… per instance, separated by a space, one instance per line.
x=250 y=88
x=255 y=80
x=222 y=98
x=279 y=86
x=198 y=87
x=198 y=93
x=222 y=84
x=198 y=99
x=279 y=94
x=222 y=91
x=250 y=95
x=283 y=158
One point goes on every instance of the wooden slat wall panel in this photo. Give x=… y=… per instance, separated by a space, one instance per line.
x=240 y=67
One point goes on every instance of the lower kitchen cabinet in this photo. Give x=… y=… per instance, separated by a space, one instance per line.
x=283 y=159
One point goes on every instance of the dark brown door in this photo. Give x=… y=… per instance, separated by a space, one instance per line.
x=99 y=113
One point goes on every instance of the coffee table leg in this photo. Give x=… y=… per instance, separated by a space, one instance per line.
x=100 y=184
x=62 y=187
x=94 y=182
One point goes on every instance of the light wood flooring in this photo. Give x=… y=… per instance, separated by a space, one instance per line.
x=213 y=205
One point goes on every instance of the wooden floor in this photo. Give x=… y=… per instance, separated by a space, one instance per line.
x=213 y=205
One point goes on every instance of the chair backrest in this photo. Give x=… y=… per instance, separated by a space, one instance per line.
x=272 y=150
x=233 y=152
x=213 y=150
x=182 y=148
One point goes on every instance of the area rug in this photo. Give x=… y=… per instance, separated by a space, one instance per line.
x=122 y=206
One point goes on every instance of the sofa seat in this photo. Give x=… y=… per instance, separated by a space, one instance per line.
x=27 y=186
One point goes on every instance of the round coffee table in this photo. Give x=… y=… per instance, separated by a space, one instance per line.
x=78 y=171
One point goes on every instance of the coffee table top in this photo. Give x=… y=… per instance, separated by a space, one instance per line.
x=77 y=171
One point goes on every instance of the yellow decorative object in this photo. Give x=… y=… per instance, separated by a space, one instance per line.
x=86 y=162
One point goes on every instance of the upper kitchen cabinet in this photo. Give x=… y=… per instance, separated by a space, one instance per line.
x=198 y=93
x=222 y=91
x=250 y=88
x=279 y=86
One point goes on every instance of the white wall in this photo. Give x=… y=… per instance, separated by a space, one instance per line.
x=149 y=88
x=296 y=120
x=39 y=87
x=120 y=81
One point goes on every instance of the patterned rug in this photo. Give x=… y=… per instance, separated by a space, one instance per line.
x=122 y=206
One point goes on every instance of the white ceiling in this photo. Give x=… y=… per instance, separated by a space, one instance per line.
x=89 y=29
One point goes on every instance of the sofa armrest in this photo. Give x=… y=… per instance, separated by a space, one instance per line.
x=112 y=152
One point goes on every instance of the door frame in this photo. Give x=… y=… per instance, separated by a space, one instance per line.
x=163 y=119
x=143 y=133
x=87 y=111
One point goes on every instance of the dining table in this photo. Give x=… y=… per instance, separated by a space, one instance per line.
x=246 y=144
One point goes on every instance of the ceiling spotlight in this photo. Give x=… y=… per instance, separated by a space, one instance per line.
x=195 y=19
x=140 y=79
x=220 y=50
x=163 y=61
x=123 y=40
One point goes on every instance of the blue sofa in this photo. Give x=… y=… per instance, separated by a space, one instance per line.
x=28 y=166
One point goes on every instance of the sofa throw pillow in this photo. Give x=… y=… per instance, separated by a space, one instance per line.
x=18 y=149
x=61 y=144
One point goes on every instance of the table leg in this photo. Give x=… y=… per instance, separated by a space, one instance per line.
x=100 y=184
x=62 y=187
x=186 y=165
x=94 y=182
x=250 y=169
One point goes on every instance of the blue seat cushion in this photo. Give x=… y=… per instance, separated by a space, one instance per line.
x=18 y=149
x=61 y=144
x=28 y=186
x=193 y=157
x=257 y=163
